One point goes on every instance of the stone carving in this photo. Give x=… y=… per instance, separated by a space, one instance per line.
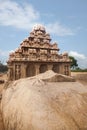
x=38 y=50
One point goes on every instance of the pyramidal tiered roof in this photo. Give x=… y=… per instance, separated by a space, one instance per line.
x=38 y=47
x=39 y=38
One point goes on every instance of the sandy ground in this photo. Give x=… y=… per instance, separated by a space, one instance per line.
x=80 y=77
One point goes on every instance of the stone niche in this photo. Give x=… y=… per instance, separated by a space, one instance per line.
x=37 y=54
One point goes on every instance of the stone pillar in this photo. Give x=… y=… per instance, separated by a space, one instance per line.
x=61 y=68
x=23 y=70
x=65 y=69
x=10 y=74
x=37 y=66
x=69 y=71
x=49 y=67
x=13 y=72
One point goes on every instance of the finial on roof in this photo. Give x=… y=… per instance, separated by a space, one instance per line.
x=39 y=27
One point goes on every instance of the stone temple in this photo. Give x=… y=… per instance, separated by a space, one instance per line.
x=36 y=54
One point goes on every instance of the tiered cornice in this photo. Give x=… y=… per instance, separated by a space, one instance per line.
x=38 y=47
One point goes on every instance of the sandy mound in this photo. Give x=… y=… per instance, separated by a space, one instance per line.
x=34 y=104
x=51 y=76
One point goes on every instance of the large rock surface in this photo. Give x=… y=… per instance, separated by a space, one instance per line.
x=37 y=104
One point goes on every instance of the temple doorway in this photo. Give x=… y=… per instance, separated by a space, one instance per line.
x=43 y=68
x=55 y=68
x=30 y=71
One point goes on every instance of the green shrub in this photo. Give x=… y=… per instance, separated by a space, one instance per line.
x=3 y=68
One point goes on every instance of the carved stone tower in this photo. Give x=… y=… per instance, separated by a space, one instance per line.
x=35 y=55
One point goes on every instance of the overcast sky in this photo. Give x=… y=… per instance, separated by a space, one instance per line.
x=65 y=20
